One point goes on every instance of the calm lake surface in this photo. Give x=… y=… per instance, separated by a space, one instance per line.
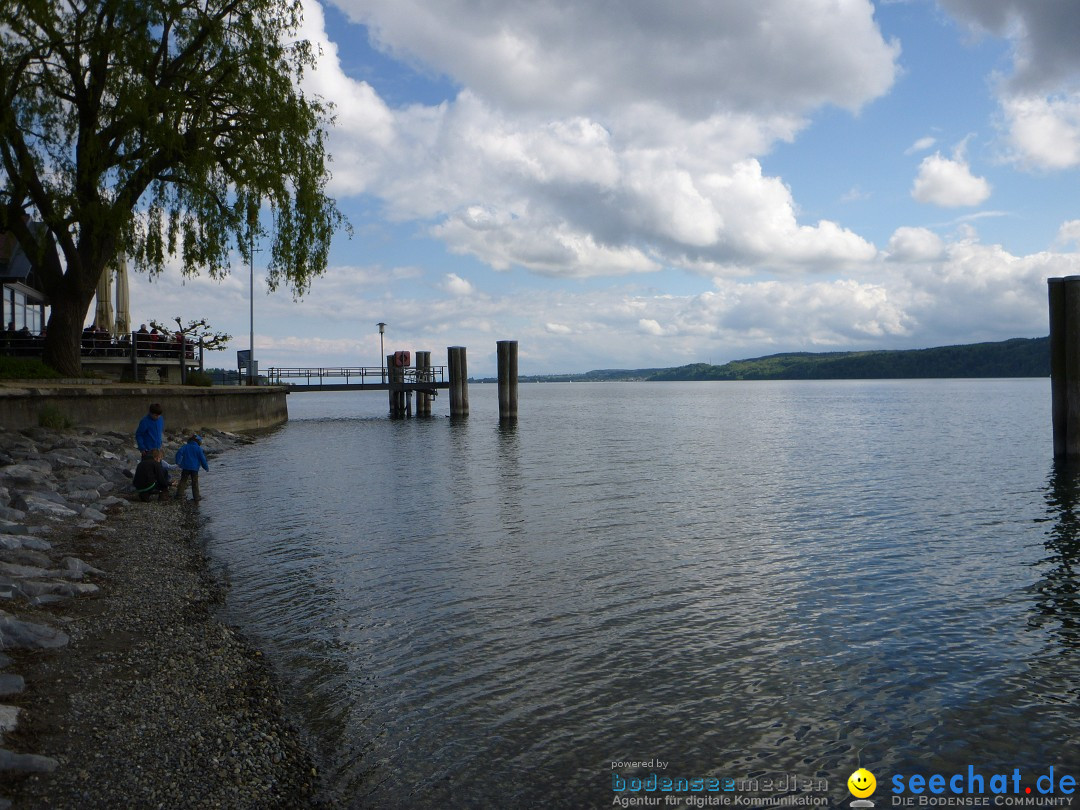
x=739 y=579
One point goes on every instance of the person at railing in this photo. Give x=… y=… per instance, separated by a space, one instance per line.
x=89 y=335
x=123 y=346
x=142 y=340
x=102 y=340
x=8 y=337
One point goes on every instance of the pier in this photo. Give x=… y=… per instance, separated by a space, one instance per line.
x=354 y=378
x=400 y=378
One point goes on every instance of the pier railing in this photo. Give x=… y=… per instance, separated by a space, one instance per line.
x=352 y=375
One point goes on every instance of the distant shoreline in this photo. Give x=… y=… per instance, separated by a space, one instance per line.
x=1016 y=357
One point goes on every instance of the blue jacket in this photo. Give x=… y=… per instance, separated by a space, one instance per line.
x=150 y=434
x=190 y=457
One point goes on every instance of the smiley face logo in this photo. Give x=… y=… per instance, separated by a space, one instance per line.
x=861 y=783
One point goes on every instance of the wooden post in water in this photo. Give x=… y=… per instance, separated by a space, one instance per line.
x=395 y=376
x=507 y=355
x=423 y=375
x=463 y=370
x=1072 y=366
x=459 y=374
x=451 y=370
x=1064 y=295
x=1058 y=402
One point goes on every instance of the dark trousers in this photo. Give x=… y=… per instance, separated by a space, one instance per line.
x=161 y=492
x=181 y=488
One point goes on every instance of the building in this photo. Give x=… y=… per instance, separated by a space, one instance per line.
x=23 y=301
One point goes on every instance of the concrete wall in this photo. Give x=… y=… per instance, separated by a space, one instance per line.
x=120 y=407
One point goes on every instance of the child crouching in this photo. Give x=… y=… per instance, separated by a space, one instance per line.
x=150 y=477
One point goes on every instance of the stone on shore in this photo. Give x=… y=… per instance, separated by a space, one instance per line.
x=11 y=684
x=9 y=719
x=26 y=763
x=16 y=634
x=9 y=514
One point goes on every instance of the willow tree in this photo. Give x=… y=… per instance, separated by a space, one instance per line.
x=160 y=128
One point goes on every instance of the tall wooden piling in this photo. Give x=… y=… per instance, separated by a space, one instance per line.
x=390 y=385
x=1072 y=366
x=423 y=375
x=507 y=356
x=396 y=379
x=1064 y=295
x=1059 y=406
x=459 y=374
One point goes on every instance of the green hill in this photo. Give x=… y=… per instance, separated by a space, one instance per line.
x=1019 y=357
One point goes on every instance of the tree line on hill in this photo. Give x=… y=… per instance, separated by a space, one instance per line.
x=1018 y=357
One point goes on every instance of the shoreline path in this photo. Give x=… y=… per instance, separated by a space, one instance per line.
x=120 y=685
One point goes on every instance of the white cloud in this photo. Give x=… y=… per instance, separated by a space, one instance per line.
x=855 y=194
x=365 y=128
x=948 y=182
x=966 y=292
x=570 y=58
x=1044 y=132
x=914 y=245
x=1069 y=233
x=457 y=286
x=921 y=145
x=1040 y=99
x=650 y=327
x=981 y=292
x=633 y=153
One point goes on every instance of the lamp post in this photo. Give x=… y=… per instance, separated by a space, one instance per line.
x=382 y=351
x=253 y=220
x=251 y=313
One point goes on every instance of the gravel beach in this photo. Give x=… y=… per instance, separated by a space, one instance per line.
x=131 y=691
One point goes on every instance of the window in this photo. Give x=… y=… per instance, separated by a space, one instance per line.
x=20 y=309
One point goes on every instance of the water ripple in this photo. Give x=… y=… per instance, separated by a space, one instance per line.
x=738 y=578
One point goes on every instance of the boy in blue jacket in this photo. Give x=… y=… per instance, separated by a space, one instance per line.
x=150 y=434
x=189 y=458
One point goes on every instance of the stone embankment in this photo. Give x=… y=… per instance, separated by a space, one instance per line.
x=119 y=684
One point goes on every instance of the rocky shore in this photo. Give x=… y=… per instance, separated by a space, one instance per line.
x=120 y=686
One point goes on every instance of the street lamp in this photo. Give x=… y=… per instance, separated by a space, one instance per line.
x=251 y=312
x=253 y=221
x=382 y=351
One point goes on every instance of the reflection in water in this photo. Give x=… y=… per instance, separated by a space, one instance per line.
x=1058 y=597
x=511 y=483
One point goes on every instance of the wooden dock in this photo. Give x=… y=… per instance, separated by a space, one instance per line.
x=355 y=378
x=402 y=379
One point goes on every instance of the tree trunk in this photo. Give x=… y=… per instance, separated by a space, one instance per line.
x=64 y=336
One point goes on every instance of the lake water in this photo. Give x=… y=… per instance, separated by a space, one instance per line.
x=743 y=580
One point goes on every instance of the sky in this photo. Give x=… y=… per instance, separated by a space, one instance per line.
x=637 y=184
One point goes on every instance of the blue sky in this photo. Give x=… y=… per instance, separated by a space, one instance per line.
x=634 y=184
